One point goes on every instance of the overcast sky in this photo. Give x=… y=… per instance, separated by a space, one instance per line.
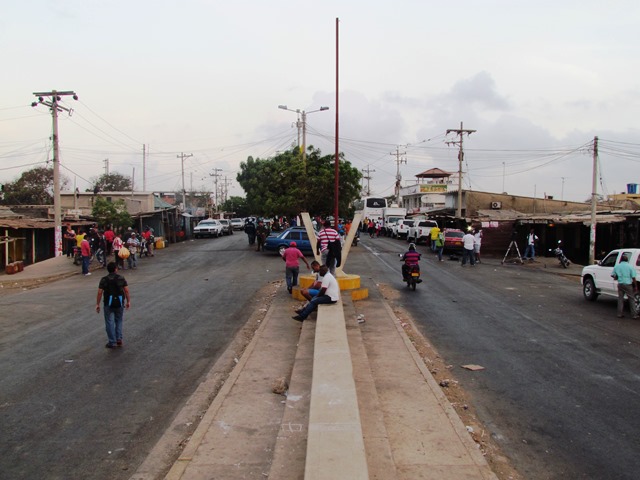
x=536 y=80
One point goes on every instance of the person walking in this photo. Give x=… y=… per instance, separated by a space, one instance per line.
x=85 y=251
x=262 y=232
x=477 y=243
x=291 y=257
x=109 y=236
x=435 y=231
x=250 y=230
x=530 y=251
x=133 y=244
x=329 y=293
x=440 y=246
x=467 y=251
x=326 y=237
x=115 y=291
x=625 y=274
x=117 y=245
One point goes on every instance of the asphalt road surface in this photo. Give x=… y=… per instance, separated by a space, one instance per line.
x=70 y=408
x=561 y=385
x=559 y=391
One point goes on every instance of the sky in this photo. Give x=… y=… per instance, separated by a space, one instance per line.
x=537 y=81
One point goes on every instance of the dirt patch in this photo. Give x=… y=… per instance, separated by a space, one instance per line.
x=444 y=375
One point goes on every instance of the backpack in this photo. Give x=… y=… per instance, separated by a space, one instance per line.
x=115 y=293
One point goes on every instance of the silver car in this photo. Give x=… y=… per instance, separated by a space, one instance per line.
x=227 y=228
x=208 y=228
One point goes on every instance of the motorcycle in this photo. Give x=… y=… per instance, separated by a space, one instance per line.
x=412 y=278
x=559 y=254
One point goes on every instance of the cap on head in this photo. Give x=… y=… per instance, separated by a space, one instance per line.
x=293 y=244
x=133 y=234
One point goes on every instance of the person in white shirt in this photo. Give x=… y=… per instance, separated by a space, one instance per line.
x=467 y=251
x=530 y=251
x=477 y=243
x=329 y=293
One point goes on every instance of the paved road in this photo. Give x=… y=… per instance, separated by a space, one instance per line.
x=73 y=409
x=561 y=387
x=559 y=393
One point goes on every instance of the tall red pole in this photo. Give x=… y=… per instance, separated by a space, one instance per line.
x=337 y=157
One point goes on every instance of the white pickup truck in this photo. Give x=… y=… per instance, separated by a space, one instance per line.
x=401 y=228
x=597 y=280
x=421 y=231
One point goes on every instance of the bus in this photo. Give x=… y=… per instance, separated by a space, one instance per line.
x=371 y=207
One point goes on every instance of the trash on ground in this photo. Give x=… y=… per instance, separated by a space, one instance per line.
x=473 y=367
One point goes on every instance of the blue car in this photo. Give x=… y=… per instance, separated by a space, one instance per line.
x=277 y=242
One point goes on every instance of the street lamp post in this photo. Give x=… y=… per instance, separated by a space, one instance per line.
x=303 y=114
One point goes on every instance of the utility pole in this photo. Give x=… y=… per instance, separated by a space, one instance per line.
x=225 y=192
x=215 y=175
x=52 y=102
x=182 y=156
x=594 y=202
x=460 y=132
x=144 y=167
x=367 y=177
x=398 y=176
x=106 y=166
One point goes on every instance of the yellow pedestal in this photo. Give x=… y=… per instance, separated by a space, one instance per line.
x=346 y=283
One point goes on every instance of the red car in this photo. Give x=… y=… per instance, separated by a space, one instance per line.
x=453 y=240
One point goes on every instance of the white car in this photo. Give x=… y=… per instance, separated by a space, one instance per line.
x=597 y=280
x=208 y=228
x=237 y=223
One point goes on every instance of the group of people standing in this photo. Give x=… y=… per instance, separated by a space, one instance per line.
x=102 y=243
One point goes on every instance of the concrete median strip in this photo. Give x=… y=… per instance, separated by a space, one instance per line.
x=335 y=432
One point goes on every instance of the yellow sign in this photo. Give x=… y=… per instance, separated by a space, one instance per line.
x=433 y=188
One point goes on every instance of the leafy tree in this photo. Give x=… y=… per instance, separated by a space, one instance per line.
x=111 y=182
x=34 y=187
x=279 y=186
x=111 y=213
x=237 y=205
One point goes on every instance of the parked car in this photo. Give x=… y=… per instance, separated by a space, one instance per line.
x=597 y=280
x=401 y=228
x=227 y=229
x=421 y=231
x=237 y=223
x=209 y=227
x=277 y=242
x=453 y=240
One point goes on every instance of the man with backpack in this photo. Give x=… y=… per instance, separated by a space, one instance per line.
x=115 y=290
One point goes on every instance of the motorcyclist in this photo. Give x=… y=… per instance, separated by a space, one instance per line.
x=411 y=260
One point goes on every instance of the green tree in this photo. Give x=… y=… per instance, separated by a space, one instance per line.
x=111 y=182
x=279 y=186
x=34 y=187
x=111 y=213
x=237 y=205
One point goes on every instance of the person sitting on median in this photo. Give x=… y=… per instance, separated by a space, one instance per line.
x=314 y=289
x=329 y=293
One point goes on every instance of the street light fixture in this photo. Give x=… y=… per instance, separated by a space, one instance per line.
x=304 y=129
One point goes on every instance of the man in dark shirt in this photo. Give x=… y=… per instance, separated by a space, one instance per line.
x=115 y=290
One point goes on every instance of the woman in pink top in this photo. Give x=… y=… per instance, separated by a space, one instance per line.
x=291 y=255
